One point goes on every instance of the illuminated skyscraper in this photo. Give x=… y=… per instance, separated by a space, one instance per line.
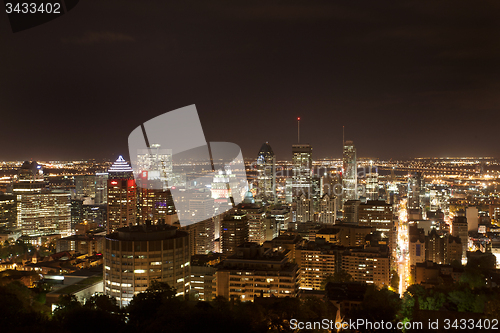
x=414 y=186
x=101 y=188
x=156 y=164
x=349 y=172
x=39 y=211
x=234 y=231
x=327 y=209
x=459 y=228
x=372 y=191
x=266 y=168
x=305 y=211
x=122 y=196
x=302 y=168
x=85 y=186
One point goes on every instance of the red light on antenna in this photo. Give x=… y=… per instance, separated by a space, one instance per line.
x=298 y=118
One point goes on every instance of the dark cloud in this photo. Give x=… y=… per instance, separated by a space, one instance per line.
x=99 y=37
x=406 y=78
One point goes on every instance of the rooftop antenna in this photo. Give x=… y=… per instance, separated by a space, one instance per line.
x=343 y=141
x=298 y=130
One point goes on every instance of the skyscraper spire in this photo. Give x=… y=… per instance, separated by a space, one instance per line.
x=298 y=130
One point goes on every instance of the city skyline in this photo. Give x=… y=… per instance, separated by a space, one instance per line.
x=385 y=79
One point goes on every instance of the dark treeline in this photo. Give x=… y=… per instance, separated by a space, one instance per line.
x=158 y=310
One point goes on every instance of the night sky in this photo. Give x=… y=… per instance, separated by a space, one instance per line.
x=406 y=78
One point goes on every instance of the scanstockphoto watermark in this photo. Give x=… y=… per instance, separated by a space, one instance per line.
x=358 y=324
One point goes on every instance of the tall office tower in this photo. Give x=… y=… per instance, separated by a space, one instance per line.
x=201 y=236
x=95 y=214
x=288 y=190
x=439 y=198
x=255 y=215
x=85 y=186
x=459 y=228
x=376 y=214
x=316 y=191
x=153 y=204
x=137 y=255
x=40 y=212
x=45 y=213
x=29 y=179
x=234 y=231
x=266 y=177
x=302 y=170
x=372 y=191
x=122 y=196
x=349 y=172
x=76 y=212
x=7 y=210
x=327 y=209
x=156 y=164
x=305 y=211
x=205 y=236
x=101 y=188
x=414 y=186
x=472 y=214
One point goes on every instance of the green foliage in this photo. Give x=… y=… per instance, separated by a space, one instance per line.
x=378 y=305
x=340 y=276
x=473 y=278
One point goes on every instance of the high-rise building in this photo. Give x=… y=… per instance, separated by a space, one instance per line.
x=234 y=231
x=302 y=170
x=156 y=164
x=7 y=210
x=41 y=214
x=39 y=211
x=255 y=215
x=122 y=196
x=349 y=172
x=266 y=177
x=327 y=209
x=101 y=188
x=372 y=190
x=85 y=186
x=414 y=187
x=459 y=228
x=136 y=255
x=376 y=214
x=305 y=211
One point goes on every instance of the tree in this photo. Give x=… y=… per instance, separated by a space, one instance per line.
x=378 y=305
x=340 y=276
